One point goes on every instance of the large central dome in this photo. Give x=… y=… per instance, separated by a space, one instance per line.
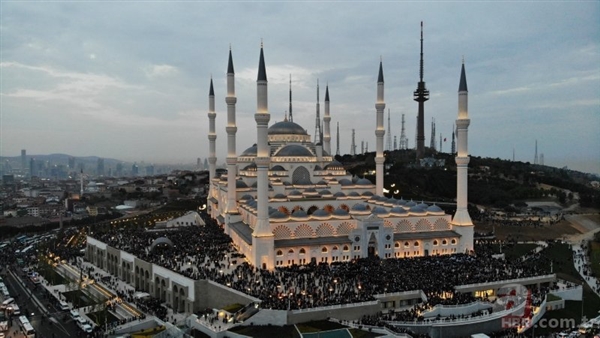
x=286 y=128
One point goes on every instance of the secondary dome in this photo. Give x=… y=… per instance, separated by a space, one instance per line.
x=250 y=151
x=286 y=128
x=294 y=150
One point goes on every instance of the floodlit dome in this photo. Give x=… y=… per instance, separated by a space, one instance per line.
x=434 y=209
x=240 y=184
x=339 y=194
x=320 y=213
x=367 y=194
x=294 y=150
x=299 y=214
x=340 y=212
x=280 y=196
x=423 y=205
x=374 y=198
x=353 y=194
x=359 y=207
x=417 y=211
x=286 y=128
x=410 y=204
x=324 y=192
x=250 y=151
x=278 y=168
x=401 y=201
x=278 y=215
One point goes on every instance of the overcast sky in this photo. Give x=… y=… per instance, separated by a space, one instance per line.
x=130 y=80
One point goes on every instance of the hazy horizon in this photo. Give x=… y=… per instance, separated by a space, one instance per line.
x=130 y=80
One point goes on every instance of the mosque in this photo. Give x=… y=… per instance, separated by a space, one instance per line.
x=287 y=201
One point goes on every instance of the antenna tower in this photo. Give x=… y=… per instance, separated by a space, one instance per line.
x=395 y=143
x=535 y=159
x=432 y=143
x=453 y=143
x=403 y=138
x=388 y=145
x=421 y=95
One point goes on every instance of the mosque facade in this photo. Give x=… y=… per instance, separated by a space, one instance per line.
x=287 y=201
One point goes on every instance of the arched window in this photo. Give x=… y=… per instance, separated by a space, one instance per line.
x=444 y=242
x=279 y=253
x=291 y=251
x=406 y=244
x=453 y=241
x=346 y=248
x=435 y=242
x=416 y=243
x=324 y=249
x=335 y=248
x=397 y=245
x=302 y=251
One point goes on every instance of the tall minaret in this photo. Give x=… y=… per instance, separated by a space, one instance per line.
x=353 y=144
x=379 y=133
x=212 y=136
x=535 y=158
x=421 y=95
x=326 y=120
x=432 y=143
x=462 y=221
x=403 y=138
x=337 y=150
x=262 y=237
x=318 y=131
x=291 y=118
x=231 y=131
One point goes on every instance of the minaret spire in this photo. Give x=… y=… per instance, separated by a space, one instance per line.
x=379 y=133
x=337 y=150
x=421 y=95
x=318 y=132
x=326 y=121
x=291 y=118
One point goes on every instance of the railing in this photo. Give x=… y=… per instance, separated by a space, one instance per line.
x=509 y=281
x=334 y=307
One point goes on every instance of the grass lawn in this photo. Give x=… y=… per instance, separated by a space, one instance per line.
x=98 y=317
x=565 y=318
x=78 y=298
x=356 y=333
x=316 y=326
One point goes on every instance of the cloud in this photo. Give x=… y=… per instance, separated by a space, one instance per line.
x=160 y=70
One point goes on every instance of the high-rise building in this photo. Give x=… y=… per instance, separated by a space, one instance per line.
x=100 y=167
x=23 y=160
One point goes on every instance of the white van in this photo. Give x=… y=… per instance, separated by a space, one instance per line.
x=63 y=305
x=8 y=301
x=14 y=308
x=74 y=314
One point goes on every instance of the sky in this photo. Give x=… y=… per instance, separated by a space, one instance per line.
x=130 y=79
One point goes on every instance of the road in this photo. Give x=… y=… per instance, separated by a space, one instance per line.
x=33 y=302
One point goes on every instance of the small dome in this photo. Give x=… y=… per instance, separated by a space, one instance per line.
x=359 y=207
x=374 y=198
x=271 y=210
x=379 y=211
x=335 y=165
x=299 y=214
x=252 y=204
x=278 y=168
x=340 y=212
x=367 y=194
x=363 y=181
x=246 y=198
x=303 y=181
x=318 y=167
x=353 y=194
x=280 y=196
x=295 y=193
x=345 y=182
x=320 y=213
x=339 y=194
x=278 y=215
x=250 y=151
x=286 y=128
x=398 y=211
x=286 y=183
x=321 y=182
x=401 y=201
x=410 y=204
x=354 y=179
x=423 y=205
x=240 y=184
x=324 y=192
x=294 y=150
x=417 y=211
x=311 y=190
x=434 y=209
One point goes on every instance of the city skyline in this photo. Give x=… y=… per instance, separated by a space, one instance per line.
x=130 y=81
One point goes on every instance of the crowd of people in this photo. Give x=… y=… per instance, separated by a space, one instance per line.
x=205 y=252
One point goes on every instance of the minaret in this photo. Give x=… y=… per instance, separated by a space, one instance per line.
x=212 y=137
x=453 y=143
x=535 y=158
x=379 y=133
x=462 y=221
x=432 y=143
x=262 y=237
x=421 y=95
x=337 y=150
x=318 y=131
x=291 y=118
x=231 y=131
x=440 y=150
x=388 y=145
x=353 y=145
x=326 y=121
